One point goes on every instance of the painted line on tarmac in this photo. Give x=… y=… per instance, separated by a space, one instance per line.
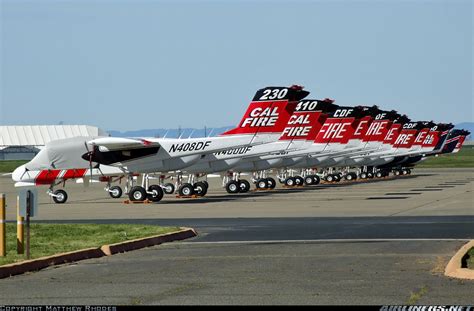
x=323 y=241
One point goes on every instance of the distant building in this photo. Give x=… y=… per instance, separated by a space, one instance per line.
x=23 y=142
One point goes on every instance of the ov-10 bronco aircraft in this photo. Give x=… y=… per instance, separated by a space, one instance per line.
x=280 y=129
x=112 y=157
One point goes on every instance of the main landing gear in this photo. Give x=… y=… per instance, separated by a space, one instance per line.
x=307 y=177
x=143 y=192
x=234 y=184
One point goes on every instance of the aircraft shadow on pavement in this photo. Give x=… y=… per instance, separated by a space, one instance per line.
x=215 y=198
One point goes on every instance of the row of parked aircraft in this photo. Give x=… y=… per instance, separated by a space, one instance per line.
x=303 y=139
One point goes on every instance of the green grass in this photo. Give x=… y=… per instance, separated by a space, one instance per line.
x=470 y=260
x=50 y=239
x=7 y=166
x=464 y=158
x=415 y=296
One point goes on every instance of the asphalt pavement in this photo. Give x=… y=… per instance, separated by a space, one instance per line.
x=377 y=242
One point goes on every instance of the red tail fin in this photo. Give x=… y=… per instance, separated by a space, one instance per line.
x=307 y=119
x=269 y=111
x=340 y=126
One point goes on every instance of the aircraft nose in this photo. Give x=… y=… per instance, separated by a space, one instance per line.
x=18 y=173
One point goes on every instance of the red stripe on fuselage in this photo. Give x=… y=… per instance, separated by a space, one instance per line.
x=74 y=173
x=47 y=177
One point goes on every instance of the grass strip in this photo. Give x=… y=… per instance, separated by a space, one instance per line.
x=8 y=166
x=464 y=158
x=50 y=239
x=470 y=259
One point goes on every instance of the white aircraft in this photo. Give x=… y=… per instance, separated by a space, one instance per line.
x=109 y=157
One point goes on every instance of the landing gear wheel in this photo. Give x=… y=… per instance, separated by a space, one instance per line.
x=232 y=187
x=308 y=180
x=330 y=178
x=262 y=183
x=316 y=179
x=363 y=175
x=137 y=193
x=271 y=183
x=397 y=172
x=206 y=183
x=379 y=174
x=404 y=172
x=290 y=182
x=60 y=196
x=409 y=171
x=186 y=190
x=200 y=189
x=370 y=175
x=244 y=185
x=115 y=192
x=299 y=180
x=349 y=177
x=337 y=178
x=168 y=188
x=156 y=193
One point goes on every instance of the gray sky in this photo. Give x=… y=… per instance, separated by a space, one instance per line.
x=148 y=64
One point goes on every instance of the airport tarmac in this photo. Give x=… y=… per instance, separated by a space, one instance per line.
x=376 y=242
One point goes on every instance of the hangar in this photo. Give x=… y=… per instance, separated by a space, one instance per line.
x=23 y=142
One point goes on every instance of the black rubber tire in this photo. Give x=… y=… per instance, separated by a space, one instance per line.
x=206 y=183
x=299 y=181
x=309 y=180
x=404 y=172
x=316 y=179
x=262 y=183
x=397 y=173
x=290 y=182
x=330 y=178
x=354 y=176
x=200 y=189
x=168 y=188
x=349 y=177
x=186 y=190
x=370 y=175
x=409 y=171
x=337 y=178
x=157 y=193
x=379 y=174
x=363 y=175
x=232 y=187
x=271 y=183
x=244 y=185
x=115 y=192
x=137 y=193
x=61 y=196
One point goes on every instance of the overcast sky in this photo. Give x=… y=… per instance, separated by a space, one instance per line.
x=149 y=64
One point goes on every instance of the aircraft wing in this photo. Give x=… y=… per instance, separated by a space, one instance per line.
x=118 y=143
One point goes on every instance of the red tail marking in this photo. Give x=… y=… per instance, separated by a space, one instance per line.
x=420 y=138
x=378 y=130
x=362 y=126
x=405 y=139
x=392 y=134
x=302 y=125
x=264 y=117
x=336 y=130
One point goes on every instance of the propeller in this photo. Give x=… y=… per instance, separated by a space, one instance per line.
x=90 y=156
